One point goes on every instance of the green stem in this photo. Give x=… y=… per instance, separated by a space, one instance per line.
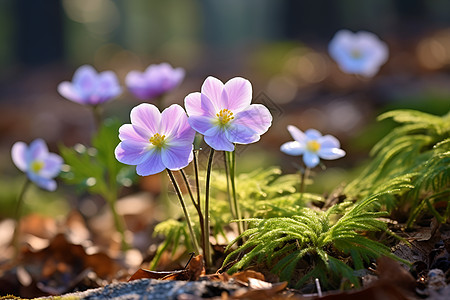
x=232 y=166
x=227 y=174
x=17 y=215
x=197 y=207
x=96 y=110
x=303 y=177
x=208 y=257
x=183 y=205
x=111 y=198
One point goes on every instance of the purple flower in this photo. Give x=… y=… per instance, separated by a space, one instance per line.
x=155 y=141
x=312 y=145
x=224 y=115
x=40 y=165
x=360 y=53
x=89 y=87
x=155 y=81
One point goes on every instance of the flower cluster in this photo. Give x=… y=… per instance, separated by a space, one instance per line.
x=91 y=88
x=223 y=113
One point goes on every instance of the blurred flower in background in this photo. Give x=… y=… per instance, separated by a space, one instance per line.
x=89 y=87
x=155 y=81
x=40 y=165
x=361 y=53
x=312 y=145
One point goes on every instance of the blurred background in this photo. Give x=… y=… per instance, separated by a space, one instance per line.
x=280 y=46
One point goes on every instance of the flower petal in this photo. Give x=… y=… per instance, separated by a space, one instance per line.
x=85 y=81
x=67 y=90
x=37 y=150
x=219 y=142
x=256 y=117
x=176 y=157
x=213 y=88
x=329 y=141
x=172 y=118
x=199 y=105
x=239 y=92
x=241 y=134
x=297 y=134
x=312 y=134
x=108 y=87
x=43 y=182
x=128 y=132
x=136 y=83
x=293 y=148
x=153 y=164
x=131 y=153
x=202 y=124
x=330 y=153
x=18 y=154
x=52 y=166
x=310 y=159
x=146 y=116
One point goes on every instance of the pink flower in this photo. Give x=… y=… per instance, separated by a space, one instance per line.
x=312 y=145
x=155 y=81
x=156 y=141
x=40 y=165
x=224 y=115
x=89 y=87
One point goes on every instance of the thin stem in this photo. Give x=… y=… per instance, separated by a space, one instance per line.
x=232 y=166
x=111 y=198
x=197 y=181
x=208 y=256
x=183 y=205
x=197 y=207
x=96 y=110
x=227 y=174
x=17 y=214
x=303 y=177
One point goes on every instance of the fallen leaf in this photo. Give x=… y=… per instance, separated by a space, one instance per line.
x=193 y=271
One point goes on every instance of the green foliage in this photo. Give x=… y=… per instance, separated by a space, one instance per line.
x=318 y=238
x=96 y=169
x=261 y=193
x=175 y=234
x=418 y=149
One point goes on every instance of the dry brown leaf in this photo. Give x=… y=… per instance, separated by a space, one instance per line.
x=193 y=271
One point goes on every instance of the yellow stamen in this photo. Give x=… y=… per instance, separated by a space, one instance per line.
x=225 y=116
x=313 y=146
x=355 y=53
x=36 y=166
x=157 y=140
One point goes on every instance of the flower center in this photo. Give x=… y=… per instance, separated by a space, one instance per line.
x=313 y=146
x=356 y=53
x=36 y=166
x=225 y=116
x=157 y=140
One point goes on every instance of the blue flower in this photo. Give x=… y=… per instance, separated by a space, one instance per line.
x=312 y=145
x=40 y=165
x=361 y=53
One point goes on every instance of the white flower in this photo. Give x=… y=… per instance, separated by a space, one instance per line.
x=360 y=53
x=312 y=145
